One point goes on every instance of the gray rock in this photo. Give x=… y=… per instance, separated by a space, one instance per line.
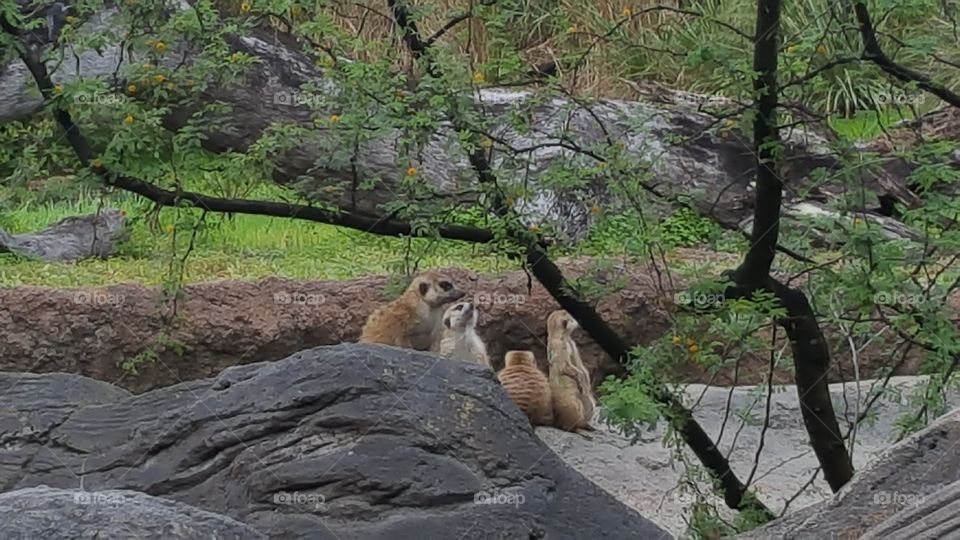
x=70 y=239
x=49 y=513
x=349 y=441
x=645 y=475
x=910 y=487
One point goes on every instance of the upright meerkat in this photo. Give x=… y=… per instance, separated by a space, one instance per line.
x=460 y=339
x=573 y=402
x=527 y=386
x=413 y=320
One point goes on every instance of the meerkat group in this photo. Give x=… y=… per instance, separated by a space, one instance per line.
x=422 y=319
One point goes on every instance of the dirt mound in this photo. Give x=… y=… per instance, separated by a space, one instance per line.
x=97 y=331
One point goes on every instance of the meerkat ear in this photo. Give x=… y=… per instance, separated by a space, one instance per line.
x=424 y=287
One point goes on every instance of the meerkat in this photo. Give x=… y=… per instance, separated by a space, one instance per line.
x=527 y=386
x=460 y=339
x=573 y=401
x=413 y=320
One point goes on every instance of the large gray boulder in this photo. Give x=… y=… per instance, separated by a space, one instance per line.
x=71 y=239
x=43 y=512
x=349 y=441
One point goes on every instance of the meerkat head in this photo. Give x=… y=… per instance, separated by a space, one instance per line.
x=561 y=322
x=460 y=316
x=519 y=358
x=435 y=289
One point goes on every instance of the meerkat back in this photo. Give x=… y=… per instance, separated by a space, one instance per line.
x=573 y=402
x=527 y=386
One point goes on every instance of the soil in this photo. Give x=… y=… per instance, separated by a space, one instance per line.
x=95 y=331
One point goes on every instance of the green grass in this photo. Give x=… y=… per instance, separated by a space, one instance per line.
x=238 y=247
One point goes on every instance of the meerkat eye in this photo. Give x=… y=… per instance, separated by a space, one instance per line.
x=459 y=307
x=446 y=285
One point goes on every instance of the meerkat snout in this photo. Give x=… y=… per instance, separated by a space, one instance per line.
x=460 y=339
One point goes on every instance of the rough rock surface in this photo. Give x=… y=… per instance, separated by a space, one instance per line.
x=908 y=488
x=351 y=441
x=43 y=512
x=644 y=475
x=71 y=239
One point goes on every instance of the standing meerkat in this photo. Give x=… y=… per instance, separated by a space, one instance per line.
x=413 y=320
x=527 y=386
x=573 y=402
x=460 y=339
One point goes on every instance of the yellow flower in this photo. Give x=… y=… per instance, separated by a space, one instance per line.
x=478 y=77
x=602 y=165
x=335 y=119
x=487 y=143
x=572 y=29
x=327 y=61
x=857 y=221
x=235 y=57
x=329 y=189
x=821 y=49
x=128 y=120
x=627 y=12
x=693 y=349
x=148 y=66
x=729 y=122
x=71 y=19
x=159 y=79
x=170 y=228
x=131 y=88
x=691 y=342
x=160 y=46
x=245 y=7
x=792 y=49
x=412 y=171
x=676 y=340
x=96 y=163
x=534 y=228
x=295 y=10
x=58 y=88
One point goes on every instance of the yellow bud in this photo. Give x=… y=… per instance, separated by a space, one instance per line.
x=58 y=88
x=71 y=19
x=487 y=143
x=131 y=88
x=245 y=7
x=572 y=29
x=335 y=119
x=627 y=12
x=792 y=49
x=478 y=77
x=235 y=57
x=159 y=79
x=676 y=340
x=534 y=227
x=128 y=120
x=693 y=349
x=96 y=163
x=691 y=342
x=602 y=165
x=821 y=49
x=160 y=46
x=148 y=66
x=412 y=171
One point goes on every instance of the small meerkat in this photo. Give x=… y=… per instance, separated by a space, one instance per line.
x=460 y=339
x=527 y=386
x=573 y=401
x=412 y=321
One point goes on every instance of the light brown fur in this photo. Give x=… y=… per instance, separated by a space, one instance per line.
x=573 y=402
x=460 y=339
x=527 y=386
x=412 y=320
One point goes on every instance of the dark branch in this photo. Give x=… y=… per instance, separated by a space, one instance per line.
x=874 y=53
